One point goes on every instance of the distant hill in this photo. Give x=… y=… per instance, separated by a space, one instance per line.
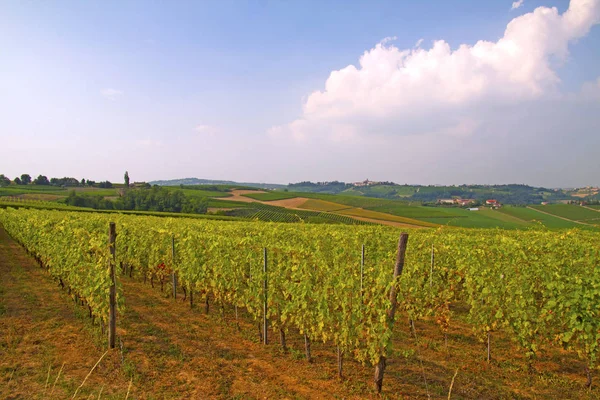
x=425 y=194
x=505 y=194
x=196 y=181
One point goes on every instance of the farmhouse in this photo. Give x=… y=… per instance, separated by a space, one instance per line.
x=366 y=182
x=464 y=202
x=445 y=201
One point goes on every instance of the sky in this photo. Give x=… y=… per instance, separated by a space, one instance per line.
x=433 y=92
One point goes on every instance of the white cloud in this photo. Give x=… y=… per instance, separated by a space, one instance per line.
x=111 y=93
x=419 y=42
x=516 y=4
x=404 y=92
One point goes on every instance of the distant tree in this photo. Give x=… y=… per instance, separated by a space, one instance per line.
x=25 y=179
x=90 y=183
x=126 y=179
x=41 y=180
x=17 y=181
x=105 y=185
x=4 y=181
x=82 y=182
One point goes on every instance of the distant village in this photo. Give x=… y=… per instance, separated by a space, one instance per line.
x=492 y=203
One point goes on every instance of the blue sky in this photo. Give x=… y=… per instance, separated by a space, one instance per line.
x=225 y=90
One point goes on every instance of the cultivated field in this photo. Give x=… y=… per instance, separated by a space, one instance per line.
x=455 y=326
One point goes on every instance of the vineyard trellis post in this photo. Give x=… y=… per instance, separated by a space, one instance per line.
x=173 y=274
x=398 y=267
x=362 y=270
x=265 y=283
x=432 y=263
x=112 y=297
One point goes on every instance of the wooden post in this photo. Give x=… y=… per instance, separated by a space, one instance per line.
x=265 y=283
x=282 y=340
x=173 y=274
x=432 y=262
x=340 y=357
x=362 y=270
x=489 y=353
x=380 y=367
x=307 y=348
x=112 y=311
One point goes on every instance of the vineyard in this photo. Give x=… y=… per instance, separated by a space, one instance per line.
x=269 y=213
x=332 y=283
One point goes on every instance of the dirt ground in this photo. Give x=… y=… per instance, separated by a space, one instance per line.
x=168 y=351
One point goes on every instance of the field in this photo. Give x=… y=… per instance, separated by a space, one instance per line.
x=270 y=196
x=167 y=346
x=572 y=212
x=237 y=203
x=359 y=212
x=322 y=205
x=535 y=217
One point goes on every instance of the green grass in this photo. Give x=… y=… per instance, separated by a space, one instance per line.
x=270 y=196
x=217 y=203
x=359 y=212
x=200 y=193
x=483 y=218
x=529 y=215
x=322 y=205
x=403 y=210
x=572 y=212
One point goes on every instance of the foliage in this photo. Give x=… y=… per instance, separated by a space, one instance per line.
x=66 y=181
x=41 y=180
x=153 y=199
x=540 y=286
x=4 y=181
x=25 y=179
x=105 y=185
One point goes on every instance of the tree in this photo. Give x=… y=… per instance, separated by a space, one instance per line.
x=41 y=180
x=126 y=179
x=25 y=179
x=4 y=181
x=82 y=182
x=17 y=181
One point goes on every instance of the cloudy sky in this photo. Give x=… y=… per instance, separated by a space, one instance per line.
x=432 y=92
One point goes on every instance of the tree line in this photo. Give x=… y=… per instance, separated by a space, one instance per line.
x=26 y=179
x=143 y=199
